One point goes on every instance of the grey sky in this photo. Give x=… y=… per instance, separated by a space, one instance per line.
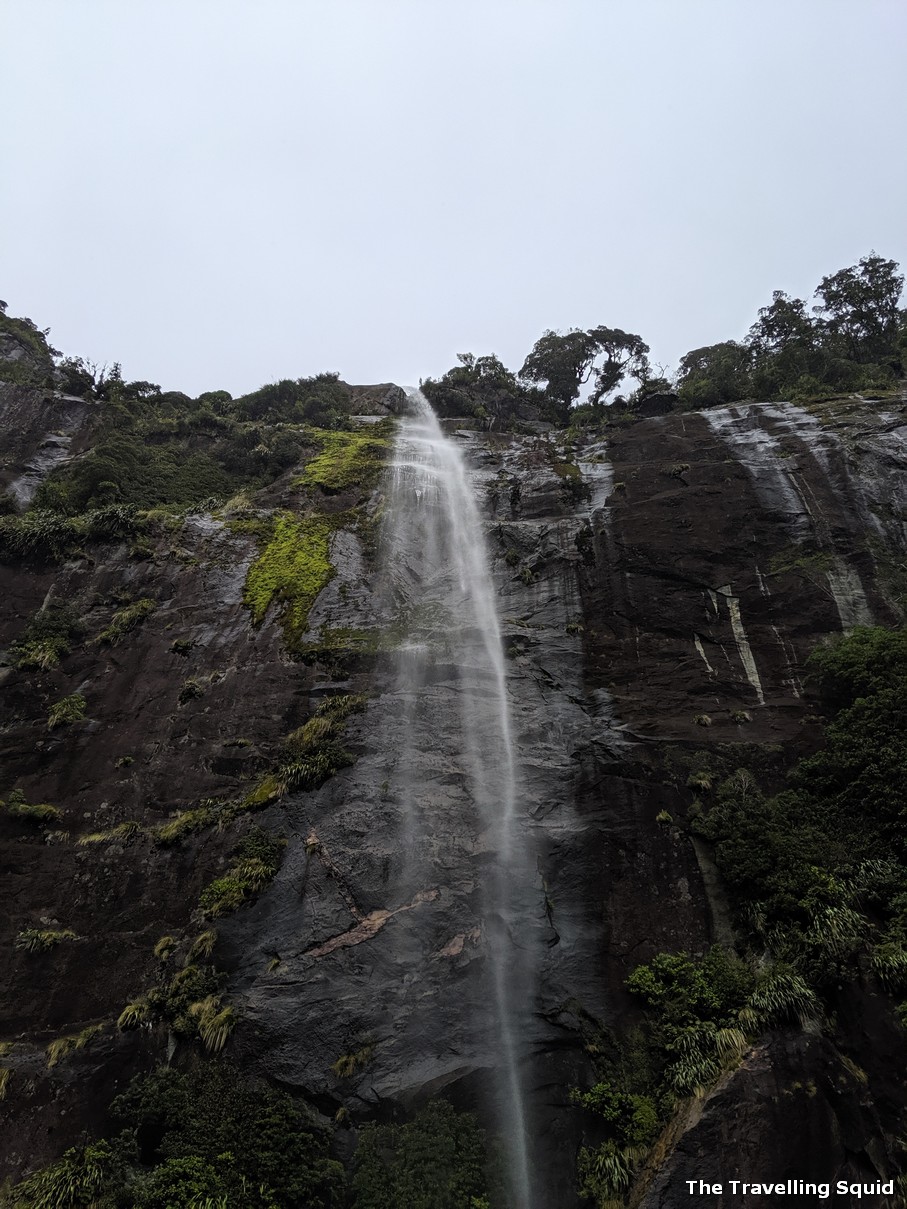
x=220 y=194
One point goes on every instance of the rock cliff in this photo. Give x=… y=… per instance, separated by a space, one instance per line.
x=660 y=587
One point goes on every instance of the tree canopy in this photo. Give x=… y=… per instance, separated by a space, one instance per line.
x=853 y=338
x=566 y=362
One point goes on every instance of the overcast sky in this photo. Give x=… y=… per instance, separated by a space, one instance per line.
x=219 y=194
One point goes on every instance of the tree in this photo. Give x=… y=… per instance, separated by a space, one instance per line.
x=784 y=345
x=715 y=374
x=782 y=325
x=859 y=309
x=566 y=362
x=479 y=386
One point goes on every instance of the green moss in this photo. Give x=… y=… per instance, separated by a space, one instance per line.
x=266 y=791
x=222 y=895
x=347 y=459
x=802 y=560
x=291 y=571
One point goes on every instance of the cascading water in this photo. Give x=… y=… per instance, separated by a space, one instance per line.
x=444 y=600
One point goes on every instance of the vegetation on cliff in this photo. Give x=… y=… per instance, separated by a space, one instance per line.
x=291 y=570
x=853 y=339
x=817 y=877
x=816 y=873
x=207 y=1136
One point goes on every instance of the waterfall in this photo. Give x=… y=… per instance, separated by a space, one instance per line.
x=449 y=638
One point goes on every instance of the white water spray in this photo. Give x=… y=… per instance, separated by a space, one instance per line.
x=439 y=573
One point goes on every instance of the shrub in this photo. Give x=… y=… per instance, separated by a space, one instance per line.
x=39 y=534
x=40 y=940
x=348 y=1064
x=256 y=859
x=202 y=946
x=190 y=986
x=125 y=621
x=48 y=638
x=122 y=832
x=780 y=997
x=66 y=711
x=63 y=1046
x=112 y=522
x=314 y=750
x=29 y=812
x=134 y=1014
x=215 y=1022
x=79 y=1178
x=164 y=947
x=191 y=690
x=250 y=1134
x=186 y=1181
x=439 y=1160
x=605 y=1173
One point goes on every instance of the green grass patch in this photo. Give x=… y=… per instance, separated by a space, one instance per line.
x=41 y=940
x=62 y=1047
x=801 y=560
x=41 y=813
x=66 y=711
x=118 y=834
x=256 y=859
x=126 y=620
x=48 y=637
x=187 y=822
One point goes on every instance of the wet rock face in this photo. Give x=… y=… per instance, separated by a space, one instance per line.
x=38 y=429
x=658 y=592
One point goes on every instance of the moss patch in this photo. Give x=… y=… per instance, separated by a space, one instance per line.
x=292 y=570
x=566 y=470
x=347 y=459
